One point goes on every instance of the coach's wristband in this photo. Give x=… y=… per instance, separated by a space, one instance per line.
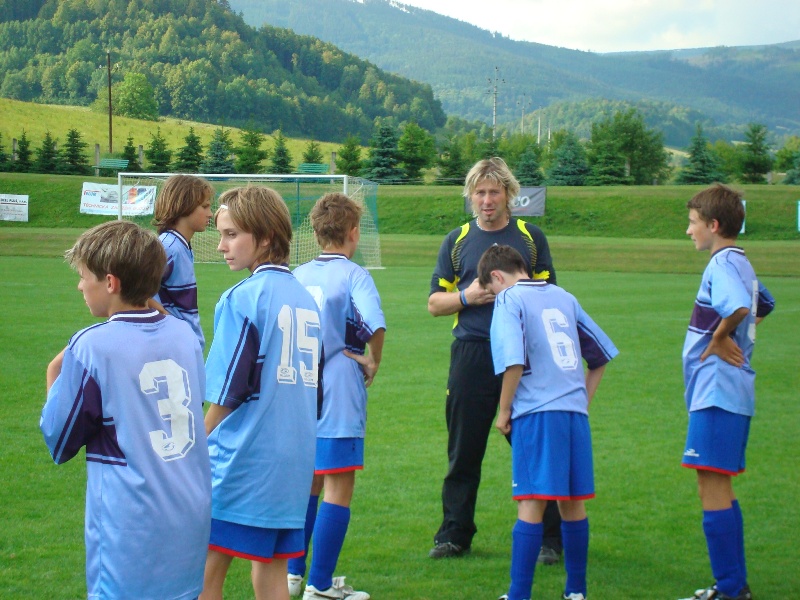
x=463 y=296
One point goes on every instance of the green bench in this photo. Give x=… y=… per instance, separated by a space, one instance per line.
x=312 y=169
x=112 y=164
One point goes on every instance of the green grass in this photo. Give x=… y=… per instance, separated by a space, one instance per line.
x=36 y=119
x=646 y=536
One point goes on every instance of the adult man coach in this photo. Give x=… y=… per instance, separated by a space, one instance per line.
x=473 y=390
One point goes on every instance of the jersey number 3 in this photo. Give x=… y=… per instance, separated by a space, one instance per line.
x=174 y=408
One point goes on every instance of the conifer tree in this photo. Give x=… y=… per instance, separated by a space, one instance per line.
x=756 y=160
x=312 y=153
x=702 y=165
x=383 y=163
x=190 y=156
x=793 y=174
x=607 y=164
x=130 y=154
x=46 y=155
x=158 y=153
x=569 y=166
x=281 y=158
x=219 y=157
x=348 y=158
x=24 y=162
x=452 y=165
x=528 y=171
x=250 y=153
x=73 y=155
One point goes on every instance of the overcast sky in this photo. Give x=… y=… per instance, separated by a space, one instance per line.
x=621 y=25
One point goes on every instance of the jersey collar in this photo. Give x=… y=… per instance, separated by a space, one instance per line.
x=179 y=235
x=146 y=315
x=329 y=256
x=264 y=267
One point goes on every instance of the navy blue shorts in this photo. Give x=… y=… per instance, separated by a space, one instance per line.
x=551 y=456
x=716 y=441
x=338 y=455
x=255 y=543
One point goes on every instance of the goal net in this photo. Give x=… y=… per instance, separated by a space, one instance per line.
x=300 y=192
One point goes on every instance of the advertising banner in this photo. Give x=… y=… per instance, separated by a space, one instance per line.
x=13 y=207
x=103 y=199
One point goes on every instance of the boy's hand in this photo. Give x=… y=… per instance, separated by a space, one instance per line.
x=54 y=369
x=503 y=422
x=726 y=349
x=368 y=366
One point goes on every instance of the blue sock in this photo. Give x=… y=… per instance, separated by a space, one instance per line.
x=737 y=512
x=526 y=541
x=723 y=550
x=575 y=536
x=297 y=566
x=329 y=532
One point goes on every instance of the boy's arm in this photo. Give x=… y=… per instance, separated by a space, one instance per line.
x=593 y=377
x=511 y=378
x=722 y=343
x=371 y=361
x=215 y=415
x=54 y=369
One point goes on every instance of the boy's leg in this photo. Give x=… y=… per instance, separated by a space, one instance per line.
x=297 y=566
x=269 y=580
x=217 y=565
x=737 y=512
x=333 y=519
x=575 y=536
x=526 y=541
x=723 y=534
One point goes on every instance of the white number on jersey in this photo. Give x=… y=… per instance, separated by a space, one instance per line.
x=173 y=409
x=299 y=335
x=561 y=345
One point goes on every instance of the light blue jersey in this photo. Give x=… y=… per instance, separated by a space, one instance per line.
x=350 y=310
x=178 y=291
x=729 y=283
x=263 y=364
x=542 y=327
x=131 y=390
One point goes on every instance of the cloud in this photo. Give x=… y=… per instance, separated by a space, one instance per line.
x=619 y=25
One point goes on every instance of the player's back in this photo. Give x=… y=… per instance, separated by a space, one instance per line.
x=544 y=328
x=350 y=313
x=178 y=291
x=132 y=389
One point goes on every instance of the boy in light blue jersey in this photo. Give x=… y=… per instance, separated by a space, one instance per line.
x=183 y=208
x=263 y=381
x=352 y=320
x=720 y=382
x=539 y=334
x=131 y=390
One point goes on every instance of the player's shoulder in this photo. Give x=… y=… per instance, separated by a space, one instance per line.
x=90 y=335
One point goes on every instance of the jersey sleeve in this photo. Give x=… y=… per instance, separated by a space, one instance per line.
x=368 y=314
x=73 y=412
x=233 y=366
x=444 y=277
x=765 y=303
x=543 y=269
x=506 y=334
x=728 y=293
x=597 y=349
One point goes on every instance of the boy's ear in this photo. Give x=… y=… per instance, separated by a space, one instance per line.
x=113 y=284
x=713 y=225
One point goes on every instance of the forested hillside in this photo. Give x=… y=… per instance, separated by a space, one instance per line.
x=204 y=63
x=725 y=88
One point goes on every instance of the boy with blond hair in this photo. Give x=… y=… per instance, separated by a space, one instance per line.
x=131 y=389
x=720 y=382
x=263 y=378
x=183 y=208
x=352 y=321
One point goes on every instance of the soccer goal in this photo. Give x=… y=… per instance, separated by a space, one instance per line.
x=300 y=192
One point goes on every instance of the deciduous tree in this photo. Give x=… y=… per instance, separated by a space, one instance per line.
x=417 y=150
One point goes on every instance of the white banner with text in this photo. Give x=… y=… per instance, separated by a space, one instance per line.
x=103 y=199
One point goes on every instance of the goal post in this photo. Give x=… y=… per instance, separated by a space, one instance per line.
x=300 y=192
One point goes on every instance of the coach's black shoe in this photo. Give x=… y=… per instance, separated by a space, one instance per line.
x=447 y=550
x=548 y=556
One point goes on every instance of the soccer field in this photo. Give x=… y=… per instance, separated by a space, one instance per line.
x=646 y=536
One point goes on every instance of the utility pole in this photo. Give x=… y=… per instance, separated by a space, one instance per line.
x=539 y=133
x=108 y=57
x=493 y=91
x=524 y=103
